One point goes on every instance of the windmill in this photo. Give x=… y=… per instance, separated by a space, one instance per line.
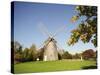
x=50 y=45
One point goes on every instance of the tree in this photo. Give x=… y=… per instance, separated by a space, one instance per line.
x=88 y=54
x=17 y=51
x=76 y=56
x=18 y=57
x=30 y=54
x=25 y=54
x=40 y=53
x=66 y=55
x=17 y=47
x=60 y=53
x=87 y=28
x=33 y=52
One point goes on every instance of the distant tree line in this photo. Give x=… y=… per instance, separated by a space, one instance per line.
x=85 y=55
x=31 y=54
x=24 y=55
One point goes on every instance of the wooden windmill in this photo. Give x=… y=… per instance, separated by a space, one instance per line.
x=50 y=45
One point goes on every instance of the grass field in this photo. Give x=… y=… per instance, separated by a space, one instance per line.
x=60 y=65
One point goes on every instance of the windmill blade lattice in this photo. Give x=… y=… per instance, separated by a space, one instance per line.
x=44 y=30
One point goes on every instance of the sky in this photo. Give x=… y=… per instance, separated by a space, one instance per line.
x=28 y=17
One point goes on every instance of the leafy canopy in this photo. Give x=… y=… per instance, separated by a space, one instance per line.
x=87 y=29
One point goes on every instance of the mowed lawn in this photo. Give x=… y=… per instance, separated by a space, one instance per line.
x=47 y=66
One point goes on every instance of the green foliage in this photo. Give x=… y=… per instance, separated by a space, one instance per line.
x=87 y=29
x=66 y=55
x=40 y=54
x=76 y=56
x=20 y=55
x=26 y=54
x=33 y=52
x=74 y=18
x=59 y=56
x=17 y=47
x=30 y=54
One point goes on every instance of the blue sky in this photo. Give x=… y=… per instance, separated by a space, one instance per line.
x=28 y=16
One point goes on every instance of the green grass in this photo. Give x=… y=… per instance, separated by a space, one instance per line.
x=60 y=65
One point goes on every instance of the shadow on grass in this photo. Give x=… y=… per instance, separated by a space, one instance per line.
x=89 y=67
